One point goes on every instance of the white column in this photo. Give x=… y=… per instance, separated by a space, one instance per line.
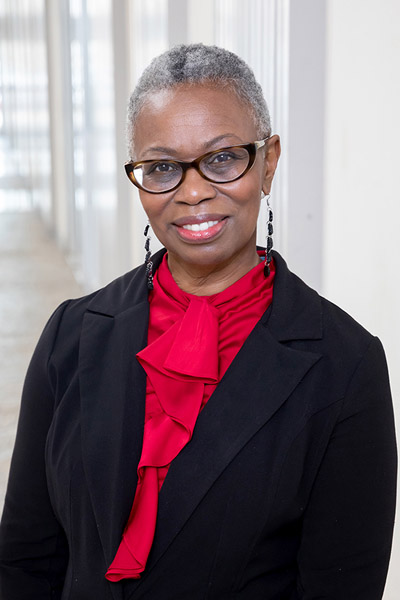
x=123 y=83
x=60 y=121
x=303 y=146
x=177 y=22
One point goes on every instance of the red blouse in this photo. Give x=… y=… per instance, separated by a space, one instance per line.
x=192 y=340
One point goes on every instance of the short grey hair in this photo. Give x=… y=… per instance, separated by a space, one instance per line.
x=199 y=64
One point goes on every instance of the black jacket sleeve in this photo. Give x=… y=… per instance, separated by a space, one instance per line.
x=348 y=524
x=33 y=548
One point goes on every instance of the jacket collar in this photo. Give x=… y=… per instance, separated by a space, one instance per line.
x=295 y=312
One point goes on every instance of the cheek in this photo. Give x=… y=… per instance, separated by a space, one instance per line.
x=248 y=188
x=153 y=205
x=247 y=198
x=250 y=209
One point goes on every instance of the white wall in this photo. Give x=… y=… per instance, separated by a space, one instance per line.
x=361 y=261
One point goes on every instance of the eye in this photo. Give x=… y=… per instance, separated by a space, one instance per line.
x=161 y=167
x=221 y=157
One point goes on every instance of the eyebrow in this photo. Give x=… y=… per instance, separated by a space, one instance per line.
x=206 y=145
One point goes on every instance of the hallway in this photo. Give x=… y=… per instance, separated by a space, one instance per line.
x=35 y=278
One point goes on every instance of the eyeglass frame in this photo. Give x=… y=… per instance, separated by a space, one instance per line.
x=251 y=148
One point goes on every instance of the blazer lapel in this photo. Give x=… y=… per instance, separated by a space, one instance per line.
x=112 y=387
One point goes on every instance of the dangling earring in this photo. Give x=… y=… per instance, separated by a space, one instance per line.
x=147 y=261
x=270 y=230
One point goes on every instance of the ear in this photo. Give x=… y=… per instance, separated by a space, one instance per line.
x=271 y=158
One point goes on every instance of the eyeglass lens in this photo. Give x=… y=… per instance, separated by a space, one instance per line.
x=221 y=166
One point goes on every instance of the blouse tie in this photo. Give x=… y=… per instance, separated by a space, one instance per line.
x=191 y=342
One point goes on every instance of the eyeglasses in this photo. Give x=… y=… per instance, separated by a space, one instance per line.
x=220 y=166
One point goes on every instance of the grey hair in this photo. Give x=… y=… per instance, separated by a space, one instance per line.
x=194 y=64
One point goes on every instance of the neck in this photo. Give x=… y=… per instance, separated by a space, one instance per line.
x=206 y=280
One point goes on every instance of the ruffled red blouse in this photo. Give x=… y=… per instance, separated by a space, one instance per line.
x=192 y=340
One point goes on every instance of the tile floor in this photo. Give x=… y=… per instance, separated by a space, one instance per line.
x=34 y=279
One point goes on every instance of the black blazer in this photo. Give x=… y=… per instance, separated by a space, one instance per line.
x=286 y=491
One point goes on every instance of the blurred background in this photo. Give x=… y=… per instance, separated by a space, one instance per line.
x=70 y=221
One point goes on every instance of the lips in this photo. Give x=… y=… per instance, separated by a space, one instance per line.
x=200 y=227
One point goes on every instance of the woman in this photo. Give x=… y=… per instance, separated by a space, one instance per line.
x=206 y=426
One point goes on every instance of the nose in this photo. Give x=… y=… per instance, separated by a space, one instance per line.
x=194 y=188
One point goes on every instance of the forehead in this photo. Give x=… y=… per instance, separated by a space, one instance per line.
x=187 y=119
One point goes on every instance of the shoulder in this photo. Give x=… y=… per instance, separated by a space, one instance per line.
x=111 y=300
x=304 y=320
x=299 y=309
x=350 y=351
x=341 y=327
x=61 y=335
x=349 y=369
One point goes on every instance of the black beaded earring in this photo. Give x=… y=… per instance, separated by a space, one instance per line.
x=147 y=261
x=270 y=243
